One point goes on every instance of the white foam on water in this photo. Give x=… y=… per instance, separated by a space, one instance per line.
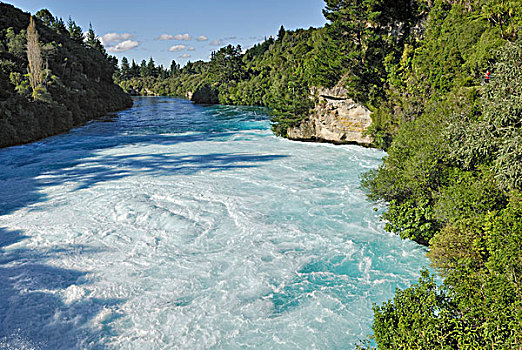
x=178 y=226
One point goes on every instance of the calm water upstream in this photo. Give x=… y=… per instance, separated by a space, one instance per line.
x=175 y=226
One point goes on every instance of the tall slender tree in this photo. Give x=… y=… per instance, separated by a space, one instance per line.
x=94 y=42
x=281 y=33
x=174 y=68
x=34 y=57
x=151 y=68
x=125 y=71
x=135 y=69
x=144 y=70
x=75 y=31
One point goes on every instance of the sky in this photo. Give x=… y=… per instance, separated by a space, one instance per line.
x=180 y=30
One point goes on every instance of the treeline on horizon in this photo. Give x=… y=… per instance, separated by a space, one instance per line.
x=271 y=74
x=452 y=178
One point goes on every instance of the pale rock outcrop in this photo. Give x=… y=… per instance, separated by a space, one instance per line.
x=335 y=118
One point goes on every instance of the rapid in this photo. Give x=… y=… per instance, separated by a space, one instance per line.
x=177 y=226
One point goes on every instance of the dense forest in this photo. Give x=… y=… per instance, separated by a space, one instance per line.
x=276 y=73
x=452 y=179
x=51 y=77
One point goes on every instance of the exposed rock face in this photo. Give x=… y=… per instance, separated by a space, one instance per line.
x=335 y=119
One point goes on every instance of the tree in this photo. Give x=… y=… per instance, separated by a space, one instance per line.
x=151 y=68
x=174 y=68
x=134 y=70
x=59 y=26
x=506 y=14
x=34 y=58
x=125 y=71
x=52 y=22
x=226 y=65
x=189 y=68
x=367 y=32
x=16 y=42
x=144 y=70
x=94 y=42
x=113 y=62
x=46 y=17
x=75 y=32
x=162 y=72
x=419 y=317
x=281 y=33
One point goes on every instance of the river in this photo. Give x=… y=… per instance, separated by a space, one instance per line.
x=176 y=226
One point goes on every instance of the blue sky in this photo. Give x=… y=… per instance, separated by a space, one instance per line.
x=132 y=28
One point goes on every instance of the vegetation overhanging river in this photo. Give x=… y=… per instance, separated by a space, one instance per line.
x=176 y=225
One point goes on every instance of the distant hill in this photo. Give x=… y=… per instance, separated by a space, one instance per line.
x=73 y=81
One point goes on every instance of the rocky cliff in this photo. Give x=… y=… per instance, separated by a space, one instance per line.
x=335 y=118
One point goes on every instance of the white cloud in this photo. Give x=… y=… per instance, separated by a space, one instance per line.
x=178 y=48
x=202 y=38
x=165 y=37
x=216 y=42
x=114 y=38
x=123 y=46
x=185 y=55
x=191 y=49
x=185 y=36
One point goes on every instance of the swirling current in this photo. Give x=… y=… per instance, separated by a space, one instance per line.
x=176 y=226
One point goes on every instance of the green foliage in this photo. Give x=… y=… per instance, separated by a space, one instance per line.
x=453 y=177
x=324 y=65
x=481 y=260
x=52 y=22
x=457 y=247
x=495 y=136
x=92 y=41
x=410 y=219
x=419 y=317
x=21 y=83
x=281 y=33
x=504 y=14
x=368 y=33
x=275 y=73
x=423 y=72
x=40 y=93
x=16 y=42
x=72 y=82
x=75 y=31
x=466 y=194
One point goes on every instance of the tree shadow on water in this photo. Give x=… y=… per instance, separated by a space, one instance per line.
x=114 y=167
x=47 y=307
x=27 y=170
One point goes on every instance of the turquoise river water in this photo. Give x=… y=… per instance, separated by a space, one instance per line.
x=176 y=226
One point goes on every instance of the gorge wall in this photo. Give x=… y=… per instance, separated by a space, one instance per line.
x=335 y=118
x=76 y=87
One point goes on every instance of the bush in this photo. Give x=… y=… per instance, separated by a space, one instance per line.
x=419 y=317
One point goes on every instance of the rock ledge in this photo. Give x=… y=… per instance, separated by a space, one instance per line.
x=335 y=118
